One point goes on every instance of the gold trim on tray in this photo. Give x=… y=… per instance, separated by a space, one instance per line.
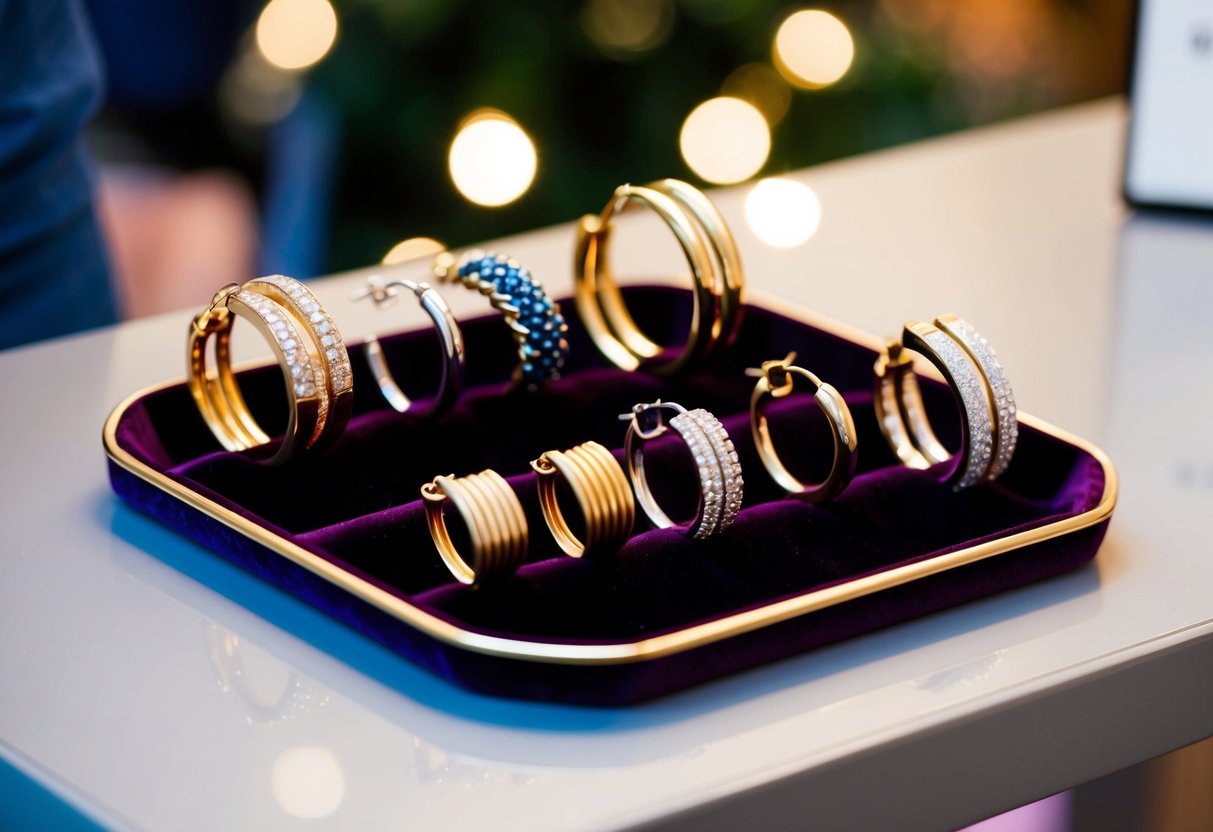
x=665 y=644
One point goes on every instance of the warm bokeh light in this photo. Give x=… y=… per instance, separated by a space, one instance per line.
x=725 y=140
x=256 y=93
x=308 y=782
x=294 y=34
x=761 y=86
x=492 y=159
x=813 y=49
x=414 y=248
x=626 y=28
x=782 y=213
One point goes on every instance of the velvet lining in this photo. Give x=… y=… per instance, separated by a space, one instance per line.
x=357 y=505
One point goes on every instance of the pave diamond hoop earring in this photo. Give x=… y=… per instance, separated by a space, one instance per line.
x=989 y=421
x=450 y=341
x=720 y=481
x=776 y=380
x=308 y=347
x=716 y=278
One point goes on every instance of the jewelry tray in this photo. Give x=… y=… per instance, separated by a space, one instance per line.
x=345 y=530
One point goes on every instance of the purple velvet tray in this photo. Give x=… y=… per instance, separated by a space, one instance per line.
x=345 y=531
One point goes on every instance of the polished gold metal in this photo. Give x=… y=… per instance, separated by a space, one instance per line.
x=717 y=280
x=308 y=348
x=602 y=493
x=495 y=522
x=776 y=380
x=989 y=427
x=450 y=342
x=900 y=411
x=217 y=394
x=648 y=648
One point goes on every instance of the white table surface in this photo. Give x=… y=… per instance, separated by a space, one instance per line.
x=111 y=695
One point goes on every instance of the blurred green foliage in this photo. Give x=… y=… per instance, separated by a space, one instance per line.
x=403 y=75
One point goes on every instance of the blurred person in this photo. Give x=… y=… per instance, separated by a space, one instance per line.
x=174 y=200
x=54 y=275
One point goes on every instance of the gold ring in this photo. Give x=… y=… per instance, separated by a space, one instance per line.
x=602 y=493
x=775 y=381
x=720 y=482
x=717 y=279
x=989 y=421
x=450 y=341
x=495 y=522
x=319 y=383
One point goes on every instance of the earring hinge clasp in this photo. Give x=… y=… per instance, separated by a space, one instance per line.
x=776 y=374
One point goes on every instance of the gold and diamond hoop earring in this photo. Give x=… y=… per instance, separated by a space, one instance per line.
x=450 y=341
x=720 y=482
x=989 y=421
x=308 y=347
x=603 y=496
x=776 y=379
x=494 y=519
x=716 y=276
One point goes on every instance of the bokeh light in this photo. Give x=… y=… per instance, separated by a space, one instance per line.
x=254 y=92
x=725 y=140
x=813 y=49
x=492 y=159
x=294 y=34
x=308 y=782
x=782 y=212
x=624 y=29
x=414 y=248
x=761 y=86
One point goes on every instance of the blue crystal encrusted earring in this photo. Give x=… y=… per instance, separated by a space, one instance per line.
x=532 y=316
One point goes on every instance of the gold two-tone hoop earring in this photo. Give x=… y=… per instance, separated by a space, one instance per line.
x=720 y=482
x=602 y=493
x=717 y=279
x=775 y=381
x=989 y=421
x=450 y=341
x=494 y=518
x=316 y=368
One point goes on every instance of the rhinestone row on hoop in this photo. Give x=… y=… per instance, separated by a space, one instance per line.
x=719 y=470
x=971 y=390
x=321 y=325
x=1006 y=416
x=299 y=365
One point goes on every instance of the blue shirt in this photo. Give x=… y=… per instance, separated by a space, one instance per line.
x=54 y=276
